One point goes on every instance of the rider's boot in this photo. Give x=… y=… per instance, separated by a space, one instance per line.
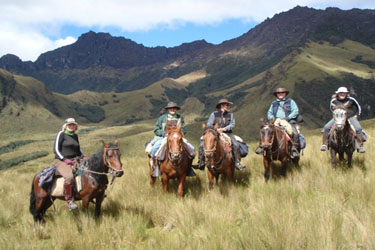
x=201 y=163
x=156 y=167
x=359 y=144
x=324 y=146
x=190 y=171
x=294 y=148
x=237 y=160
x=68 y=188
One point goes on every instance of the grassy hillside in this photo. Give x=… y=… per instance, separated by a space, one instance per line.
x=315 y=207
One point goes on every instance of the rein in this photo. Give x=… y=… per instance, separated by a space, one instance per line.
x=213 y=151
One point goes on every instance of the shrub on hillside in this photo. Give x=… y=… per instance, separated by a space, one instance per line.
x=24 y=158
x=91 y=113
x=13 y=145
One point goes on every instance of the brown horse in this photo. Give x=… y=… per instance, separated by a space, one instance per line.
x=341 y=137
x=276 y=144
x=217 y=158
x=176 y=162
x=94 y=182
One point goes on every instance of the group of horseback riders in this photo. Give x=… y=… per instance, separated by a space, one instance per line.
x=283 y=111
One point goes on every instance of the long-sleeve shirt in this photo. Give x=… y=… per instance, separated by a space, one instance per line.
x=66 y=146
x=160 y=124
x=223 y=119
x=281 y=111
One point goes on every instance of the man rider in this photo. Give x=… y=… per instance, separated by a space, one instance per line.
x=226 y=123
x=286 y=110
x=343 y=99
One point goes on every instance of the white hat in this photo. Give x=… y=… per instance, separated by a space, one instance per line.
x=69 y=121
x=342 y=90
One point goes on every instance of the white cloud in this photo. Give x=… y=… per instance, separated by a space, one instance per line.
x=27 y=25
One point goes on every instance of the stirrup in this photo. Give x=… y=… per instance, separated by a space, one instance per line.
x=361 y=150
x=323 y=148
x=239 y=166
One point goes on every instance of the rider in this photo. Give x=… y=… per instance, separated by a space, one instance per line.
x=66 y=147
x=285 y=110
x=171 y=119
x=343 y=99
x=226 y=123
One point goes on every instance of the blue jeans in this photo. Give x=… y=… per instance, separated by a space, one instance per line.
x=157 y=144
x=353 y=120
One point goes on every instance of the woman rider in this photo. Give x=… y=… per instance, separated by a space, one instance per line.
x=66 y=148
x=341 y=99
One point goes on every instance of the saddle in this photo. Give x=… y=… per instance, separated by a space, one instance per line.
x=227 y=142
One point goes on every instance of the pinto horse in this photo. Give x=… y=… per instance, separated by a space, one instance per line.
x=275 y=143
x=217 y=158
x=94 y=182
x=341 y=137
x=176 y=162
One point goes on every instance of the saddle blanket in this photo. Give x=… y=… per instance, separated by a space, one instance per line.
x=57 y=189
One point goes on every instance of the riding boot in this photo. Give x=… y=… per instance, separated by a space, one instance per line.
x=237 y=159
x=359 y=144
x=155 y=167
x=324 y=146
x=294 y=148
x=68 y=188
x=259 y=150
x=190 y=171
x=201 y=163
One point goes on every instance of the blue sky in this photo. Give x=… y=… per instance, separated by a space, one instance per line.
x=31 y=27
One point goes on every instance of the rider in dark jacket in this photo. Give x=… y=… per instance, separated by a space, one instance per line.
x=343 y=99
x=226 y=123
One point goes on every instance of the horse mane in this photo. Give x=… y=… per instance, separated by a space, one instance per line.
x=210 y=128
x=96 y=160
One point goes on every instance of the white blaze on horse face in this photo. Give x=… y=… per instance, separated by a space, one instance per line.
x=175 y=136
x=339 y=116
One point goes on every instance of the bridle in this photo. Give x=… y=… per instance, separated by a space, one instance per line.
x=175 y=158
x=212 y=152
x=267 y=130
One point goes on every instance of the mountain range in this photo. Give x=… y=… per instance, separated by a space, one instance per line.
x=113 y=80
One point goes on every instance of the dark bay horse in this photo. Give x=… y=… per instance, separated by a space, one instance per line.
x=176 y=161
x=276 y=145
x=94 y=182
x=217 y=158
x=341 y=137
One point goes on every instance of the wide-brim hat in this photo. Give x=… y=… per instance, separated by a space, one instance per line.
x=171 y=105
x=223 y=101
x=342 y=90
x=69 y=121
x=280 y=90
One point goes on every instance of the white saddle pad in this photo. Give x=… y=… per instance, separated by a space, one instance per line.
x=57 y=189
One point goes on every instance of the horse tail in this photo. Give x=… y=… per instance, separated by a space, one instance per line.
x=32 y=198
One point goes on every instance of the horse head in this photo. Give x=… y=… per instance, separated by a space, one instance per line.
x=340 y=117
x=174 y=140
x=210 y=140
x=112 y=158
x=267 y=133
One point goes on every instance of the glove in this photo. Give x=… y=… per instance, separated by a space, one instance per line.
x=69 y=162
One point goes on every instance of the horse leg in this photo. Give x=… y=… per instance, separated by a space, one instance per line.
x=284 y=164
x=98 y=204
x=350 y=157
x=85 y=202
x=210 y=180
x=333 y=158
x=152 y=178
x=341 y=156
x=181 y=182
x=165 y=181
x=266 y=163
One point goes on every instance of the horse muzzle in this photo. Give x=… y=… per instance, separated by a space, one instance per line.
x=175 y=156
x=339 y=127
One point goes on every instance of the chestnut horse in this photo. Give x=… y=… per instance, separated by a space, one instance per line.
x=341 y=137
x=217 y=158
x=94 y=182
x=275 y=143
x=176 y=161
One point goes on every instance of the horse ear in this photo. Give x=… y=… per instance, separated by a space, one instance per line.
x=216 y=126
x=203 y=126
x=261 y=120
x=116 y=142
x=105 y=144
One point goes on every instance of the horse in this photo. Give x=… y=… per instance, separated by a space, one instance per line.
x=341 y=137
x=176 y=161
x=217 y=158
x=94 y=182
x=276 y=144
